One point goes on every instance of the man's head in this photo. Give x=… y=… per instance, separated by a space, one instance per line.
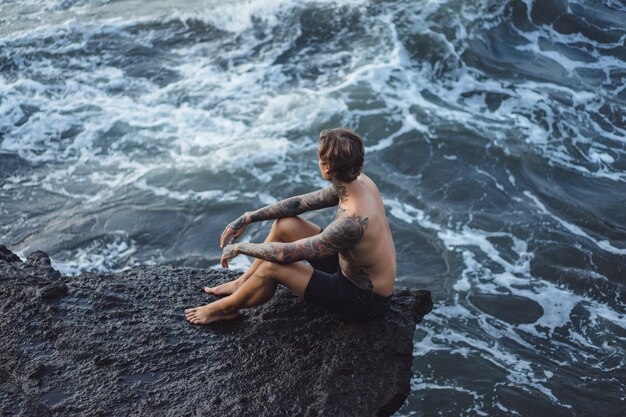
x=341 y=154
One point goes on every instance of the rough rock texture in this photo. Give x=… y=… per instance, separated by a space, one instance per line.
x=118 y=344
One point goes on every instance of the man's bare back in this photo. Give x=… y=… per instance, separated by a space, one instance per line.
x=371 y=263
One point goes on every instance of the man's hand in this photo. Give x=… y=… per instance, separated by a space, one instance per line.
x=234 y=230
x=229 y=252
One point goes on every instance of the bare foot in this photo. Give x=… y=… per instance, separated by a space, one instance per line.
x=225 y=289
x=208 y=314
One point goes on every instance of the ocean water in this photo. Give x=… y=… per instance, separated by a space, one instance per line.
x=132 y=132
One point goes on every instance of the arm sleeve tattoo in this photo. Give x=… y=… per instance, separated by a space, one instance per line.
x=340 y=234
x=326 y=197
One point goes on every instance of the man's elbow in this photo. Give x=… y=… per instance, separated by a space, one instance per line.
x=286 y=258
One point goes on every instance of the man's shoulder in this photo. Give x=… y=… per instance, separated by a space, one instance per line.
x=348 y=225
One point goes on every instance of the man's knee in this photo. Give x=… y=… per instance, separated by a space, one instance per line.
x=294 y=276
x=267 y=269
x=284 y=226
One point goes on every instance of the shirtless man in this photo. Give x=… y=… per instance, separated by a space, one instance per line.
x=351 y=265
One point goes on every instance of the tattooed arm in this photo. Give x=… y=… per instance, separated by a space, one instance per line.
x=343 y=233
x=326 y=197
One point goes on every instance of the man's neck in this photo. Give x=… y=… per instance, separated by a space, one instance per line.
x=342 y=189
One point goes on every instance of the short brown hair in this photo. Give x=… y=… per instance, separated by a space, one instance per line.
x=343 y=150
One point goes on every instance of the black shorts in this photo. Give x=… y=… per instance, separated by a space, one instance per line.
x=330 y=289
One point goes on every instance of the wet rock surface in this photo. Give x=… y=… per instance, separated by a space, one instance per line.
x=118 y=344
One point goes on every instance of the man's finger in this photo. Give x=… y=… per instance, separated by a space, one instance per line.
x=224 y=237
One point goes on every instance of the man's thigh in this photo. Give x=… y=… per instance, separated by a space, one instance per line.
x=296 y=228
x=295 y=276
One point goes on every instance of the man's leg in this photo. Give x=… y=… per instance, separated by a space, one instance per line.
x=287 y=229
x=258 y=289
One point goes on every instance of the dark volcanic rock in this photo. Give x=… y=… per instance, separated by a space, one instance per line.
x=7 y=256
x=36 y=270
x=118 y=344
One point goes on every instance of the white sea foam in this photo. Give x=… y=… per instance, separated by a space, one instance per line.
x=477 y=252
x=257 y=137
x=524 y=99
x=269 y=114
x=102 y=255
